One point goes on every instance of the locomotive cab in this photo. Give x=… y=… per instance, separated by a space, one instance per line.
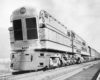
x=25 y=29
x=24 y=40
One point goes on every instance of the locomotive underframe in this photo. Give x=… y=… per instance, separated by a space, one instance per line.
x=39 y=59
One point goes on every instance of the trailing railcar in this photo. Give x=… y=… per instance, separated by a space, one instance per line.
x=94 y=55
x=40 y=41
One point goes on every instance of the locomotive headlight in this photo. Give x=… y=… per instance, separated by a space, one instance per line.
x=22 y=10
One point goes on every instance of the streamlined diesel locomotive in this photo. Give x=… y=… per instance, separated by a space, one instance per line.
x=39 y=41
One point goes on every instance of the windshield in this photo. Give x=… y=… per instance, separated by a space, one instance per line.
x=17 y=25
x=31 y=28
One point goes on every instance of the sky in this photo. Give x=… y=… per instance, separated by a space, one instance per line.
x=81 y=16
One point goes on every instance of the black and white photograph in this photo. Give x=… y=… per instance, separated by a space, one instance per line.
x=49 y=39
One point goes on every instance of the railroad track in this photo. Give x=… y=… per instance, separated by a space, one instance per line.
x=54 y=74
x=98 y=78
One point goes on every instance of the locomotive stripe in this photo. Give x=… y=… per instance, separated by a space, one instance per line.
x=56 y=42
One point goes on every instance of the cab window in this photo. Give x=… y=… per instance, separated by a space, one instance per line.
x=31 y=28
x=17 y=25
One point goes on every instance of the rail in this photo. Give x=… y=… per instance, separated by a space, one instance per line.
x=53 y=74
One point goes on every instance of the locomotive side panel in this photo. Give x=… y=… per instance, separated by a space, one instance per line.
x=50 y=21
x=81 y=45
x=53 y=32
x=51 y=39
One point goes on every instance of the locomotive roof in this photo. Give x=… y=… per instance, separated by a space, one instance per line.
x=28 y=11
x=28 y=8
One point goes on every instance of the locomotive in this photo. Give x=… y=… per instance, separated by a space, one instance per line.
x=40 y=41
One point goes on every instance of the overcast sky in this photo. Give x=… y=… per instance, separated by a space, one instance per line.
x=81 y=16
